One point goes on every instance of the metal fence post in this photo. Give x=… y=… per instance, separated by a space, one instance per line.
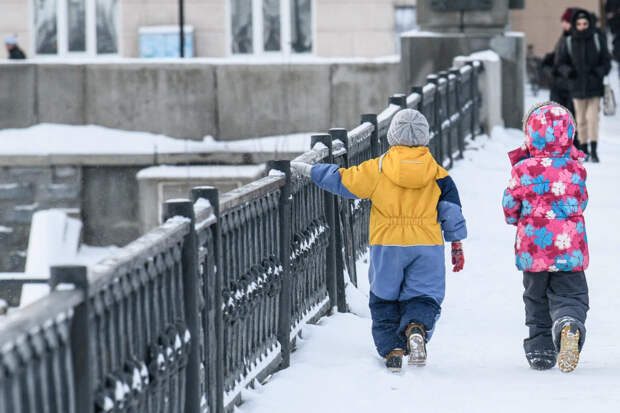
x=284 y=321
x=473 y=88
x=189 y=262
x=337 y=238
x=420 y=91
x=81 y=340
x=331 y=218
x=374 y=138
x=434 y=79
x=217 y=363
x=399 y=99
x=459 y=108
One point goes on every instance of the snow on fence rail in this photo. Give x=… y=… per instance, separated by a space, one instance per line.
x=186 y=316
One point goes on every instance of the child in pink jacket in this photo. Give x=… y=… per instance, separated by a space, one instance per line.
x=545 y=199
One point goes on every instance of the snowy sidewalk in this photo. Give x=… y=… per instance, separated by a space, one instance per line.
x=476 y=361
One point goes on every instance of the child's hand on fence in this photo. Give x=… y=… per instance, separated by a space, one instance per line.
x=458 y=259
x=301 y=168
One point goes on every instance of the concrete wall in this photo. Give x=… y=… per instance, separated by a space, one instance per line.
x=491 y=106
x=256 y=101
x=191 y=100
x=175 y=100
x=61 y=97
x=423 y=54
x=110 y=206
x=18 y=90
x=540 y=21
x=24 y=190
x=492 y=20
x=105 y=198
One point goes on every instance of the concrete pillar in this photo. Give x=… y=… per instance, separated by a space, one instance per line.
x=491 y=110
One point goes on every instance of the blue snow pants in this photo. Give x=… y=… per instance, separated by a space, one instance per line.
x=407 y=285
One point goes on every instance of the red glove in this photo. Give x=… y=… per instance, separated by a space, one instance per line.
x=458 y=259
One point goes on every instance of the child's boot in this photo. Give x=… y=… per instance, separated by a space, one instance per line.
x=416 y=344
x=541 y=359
x=540 y=351
x=394 y=360
x=569 y=336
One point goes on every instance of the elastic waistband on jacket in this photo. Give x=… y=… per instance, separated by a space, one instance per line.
x=409 y=221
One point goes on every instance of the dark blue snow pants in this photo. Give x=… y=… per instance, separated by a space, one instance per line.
x=550 y=298
x=390 y=319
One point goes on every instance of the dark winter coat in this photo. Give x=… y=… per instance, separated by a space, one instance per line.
x=16 y=53
x=612 y=9
x=559 y=90
x=583 y=65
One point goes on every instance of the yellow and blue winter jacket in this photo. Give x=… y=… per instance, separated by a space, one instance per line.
x=414 y=200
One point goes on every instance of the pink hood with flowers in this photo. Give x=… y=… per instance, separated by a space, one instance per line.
x=546 y=195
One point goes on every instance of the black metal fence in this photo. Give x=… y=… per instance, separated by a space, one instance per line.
x=187 y=316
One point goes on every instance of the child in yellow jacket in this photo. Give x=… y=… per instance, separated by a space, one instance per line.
x=414 y=200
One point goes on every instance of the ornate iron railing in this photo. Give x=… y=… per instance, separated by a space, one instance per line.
x=187 y=316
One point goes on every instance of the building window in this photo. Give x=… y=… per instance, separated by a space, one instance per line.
x=241 y=23
x=45 y=27
x=76 y=18
x=405 y=20
x=270 y=26
x=107 y=37
x=75 y=27
x=301 y=26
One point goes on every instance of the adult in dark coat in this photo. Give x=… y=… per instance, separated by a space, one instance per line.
x=558 y=88
x=612 y=9
x=12 y=48
x=583 y=60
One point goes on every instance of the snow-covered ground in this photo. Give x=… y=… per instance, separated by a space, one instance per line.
x=476 y=361
x=54 y=139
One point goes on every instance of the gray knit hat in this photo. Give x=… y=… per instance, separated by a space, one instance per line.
x=408 y=128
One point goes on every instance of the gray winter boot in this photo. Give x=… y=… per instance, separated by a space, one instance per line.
x=540 y=352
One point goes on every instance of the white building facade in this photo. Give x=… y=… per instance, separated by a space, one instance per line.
x=217 y=28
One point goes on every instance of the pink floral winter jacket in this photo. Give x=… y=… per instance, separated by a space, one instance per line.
x=546 y=195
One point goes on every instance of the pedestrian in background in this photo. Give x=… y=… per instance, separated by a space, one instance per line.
x=559 y=90
x=583 y=59
x=612 y=10
x=12 y=48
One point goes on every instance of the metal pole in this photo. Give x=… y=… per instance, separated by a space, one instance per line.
x=285 y=205
x=374 y=139
x=330 y=215
x=181 y=28
x=81 y=344
x=216 y=361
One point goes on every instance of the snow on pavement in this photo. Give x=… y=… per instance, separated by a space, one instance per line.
x=476 y=361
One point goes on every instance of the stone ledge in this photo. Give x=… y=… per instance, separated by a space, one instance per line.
x=226 y=158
